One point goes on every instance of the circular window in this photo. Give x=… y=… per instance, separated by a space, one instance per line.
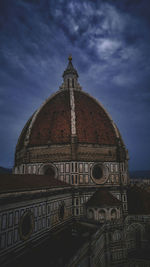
x=97 y=172
x=26 y=225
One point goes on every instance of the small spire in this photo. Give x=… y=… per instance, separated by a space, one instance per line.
x=70 y=68
x=70 y=76
x=70 y=58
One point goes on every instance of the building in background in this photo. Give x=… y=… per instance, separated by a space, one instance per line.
x=71 y=171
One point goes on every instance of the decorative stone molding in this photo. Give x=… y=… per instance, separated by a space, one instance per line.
x=99 y=173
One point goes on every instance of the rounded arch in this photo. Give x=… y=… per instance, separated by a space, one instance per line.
x=113 y=214
x=135 y=234
x=134 y=226
x=90 y=214
x=48 y=169
x=117 y=235
x=102 y=214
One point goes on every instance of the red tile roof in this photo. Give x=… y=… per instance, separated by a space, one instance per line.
x=103 y=198
x=138 y=200
x=92 y=122
x=19 y=182
x=52 y=124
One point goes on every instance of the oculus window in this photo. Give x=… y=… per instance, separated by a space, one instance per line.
x=26 y=225
x=99 y=173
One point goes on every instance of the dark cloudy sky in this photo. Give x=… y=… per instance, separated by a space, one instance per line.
x=110 y=45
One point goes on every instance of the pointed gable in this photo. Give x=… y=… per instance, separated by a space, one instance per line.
x=103 y=198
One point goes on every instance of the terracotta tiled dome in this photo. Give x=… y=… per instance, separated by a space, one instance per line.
x=51 y=124
x=70 y=125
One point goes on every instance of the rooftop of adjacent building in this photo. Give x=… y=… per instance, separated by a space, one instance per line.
x=138 y=197
x=103 y=198
x=21 y=182
x=138 y=200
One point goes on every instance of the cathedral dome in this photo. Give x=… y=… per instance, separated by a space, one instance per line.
x=52 y=123
x=70 y=125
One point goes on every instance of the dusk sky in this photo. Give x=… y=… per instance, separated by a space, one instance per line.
x=110 y=46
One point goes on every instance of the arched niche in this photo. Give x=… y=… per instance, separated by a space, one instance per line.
x=117 y=235
x=113 y=214
x=102 y=214
x=90 y=214
x=48 y=169
x=135 y=234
